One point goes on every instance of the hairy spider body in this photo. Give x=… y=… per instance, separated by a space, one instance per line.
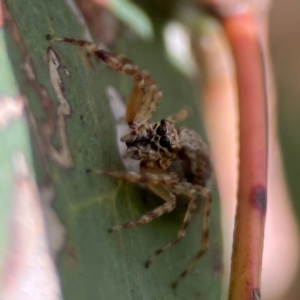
x=172 y=161
x=157 y=144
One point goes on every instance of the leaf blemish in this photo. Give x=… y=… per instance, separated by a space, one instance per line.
x=63 y=156
x=67 y=72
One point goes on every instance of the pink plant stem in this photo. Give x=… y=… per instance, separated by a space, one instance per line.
x=244 y=35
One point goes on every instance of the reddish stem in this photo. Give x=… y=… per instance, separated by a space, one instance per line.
x=244 y=34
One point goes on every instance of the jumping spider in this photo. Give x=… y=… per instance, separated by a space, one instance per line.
x=173 y=160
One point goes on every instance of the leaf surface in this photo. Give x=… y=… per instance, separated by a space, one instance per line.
x=94 y=264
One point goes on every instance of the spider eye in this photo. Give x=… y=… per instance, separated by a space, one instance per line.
x=161 y=130
x=170 y=149
x=164 y=141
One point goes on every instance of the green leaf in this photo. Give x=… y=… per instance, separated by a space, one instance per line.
x=94 y=264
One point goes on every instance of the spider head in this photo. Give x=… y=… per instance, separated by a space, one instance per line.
x=155 y=142
x=165 y=139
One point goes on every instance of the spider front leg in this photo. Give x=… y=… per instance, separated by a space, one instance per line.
x=205 y=235
x=157 y=182
x=145 y=94
x=179 y=116
x=144 y=177
x=170 y=203
x=181 y=233
x=140 y=154
x=183 y=188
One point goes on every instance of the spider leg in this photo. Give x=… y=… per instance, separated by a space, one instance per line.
x=150 y=178
x=143 y=100
x=145 y=94
x=163 y=192
x=179 y=116
x=139 y=154
x=181 y=233
x=205 y=236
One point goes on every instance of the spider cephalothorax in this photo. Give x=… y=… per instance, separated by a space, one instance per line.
x=172 y=162
x=155 y=142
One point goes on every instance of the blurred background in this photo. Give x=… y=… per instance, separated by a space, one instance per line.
x=285 y=54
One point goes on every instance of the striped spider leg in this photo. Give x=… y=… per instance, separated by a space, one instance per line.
x=173 y=160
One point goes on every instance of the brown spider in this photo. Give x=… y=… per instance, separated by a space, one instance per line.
x=173 y=160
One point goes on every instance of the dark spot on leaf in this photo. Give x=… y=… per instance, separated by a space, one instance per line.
x=82 y=120
x=72 y=254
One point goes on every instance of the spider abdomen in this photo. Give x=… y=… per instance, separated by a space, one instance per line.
x=196 y=164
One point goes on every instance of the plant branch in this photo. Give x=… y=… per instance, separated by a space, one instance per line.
x=243 y=33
